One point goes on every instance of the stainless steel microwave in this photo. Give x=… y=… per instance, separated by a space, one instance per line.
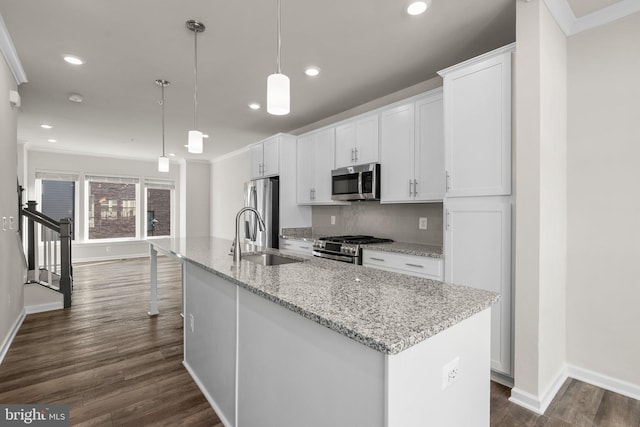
x=356 y=183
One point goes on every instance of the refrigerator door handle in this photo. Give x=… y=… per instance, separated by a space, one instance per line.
x=254 y=204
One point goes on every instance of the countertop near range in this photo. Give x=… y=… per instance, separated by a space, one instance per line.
x=417 y=249
x=385 y=311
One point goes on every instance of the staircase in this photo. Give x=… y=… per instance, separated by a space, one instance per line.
x=48 y=251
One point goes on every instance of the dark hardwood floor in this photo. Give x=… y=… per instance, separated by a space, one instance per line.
x=116 y=366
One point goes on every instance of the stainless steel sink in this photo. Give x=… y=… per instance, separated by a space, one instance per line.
x=269 y=259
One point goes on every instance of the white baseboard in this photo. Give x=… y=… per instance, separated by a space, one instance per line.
x=109 y=257
x=501 y=378
x=538 y=404
x=12 y=334
x=207 y=396
x=603 y=381
x=40 y=308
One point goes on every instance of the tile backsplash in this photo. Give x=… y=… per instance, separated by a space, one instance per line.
x=398 y=221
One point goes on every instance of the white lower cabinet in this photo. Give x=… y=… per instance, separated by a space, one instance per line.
x=420 y=266
x=477 y=253
x=300 y=246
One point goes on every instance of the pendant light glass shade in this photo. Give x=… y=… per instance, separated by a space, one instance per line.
x=163 y=164
x=195 y=144
x=278 y=94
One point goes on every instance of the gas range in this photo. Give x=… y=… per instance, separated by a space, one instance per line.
x=344 y=248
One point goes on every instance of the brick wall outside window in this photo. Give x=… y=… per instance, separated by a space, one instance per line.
x=112 y=210
x=158 y=209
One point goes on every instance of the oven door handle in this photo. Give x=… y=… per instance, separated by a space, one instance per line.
x=343 y=258
x=360 y=183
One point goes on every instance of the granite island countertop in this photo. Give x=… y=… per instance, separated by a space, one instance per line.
x=388 y=312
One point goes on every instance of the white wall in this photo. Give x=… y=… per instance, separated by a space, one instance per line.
x=90 y=165
x=228 y=175
x=11 y=289
x=540 y=119
x=603 y=300
x=195 y=200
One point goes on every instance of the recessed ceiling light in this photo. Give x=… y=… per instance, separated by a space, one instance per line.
x=51 y=140
x=418 y=7
x=254 y=106
x=312 y=71
x=46 y=126
x=75 y=97
x=186 y=145
x=73 y=60
x=204 y=135
x=172 y=154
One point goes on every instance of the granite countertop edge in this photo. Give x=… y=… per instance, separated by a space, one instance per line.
x=381 y=345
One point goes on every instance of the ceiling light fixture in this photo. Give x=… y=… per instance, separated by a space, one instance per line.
x=278 y=87
x=46 y=126
x=312 y=71
x=75 y=97
x=51 y=140
x=195 y=144
x=418 y=7
x=163 y=161
x=73 y=60
x=254 y=106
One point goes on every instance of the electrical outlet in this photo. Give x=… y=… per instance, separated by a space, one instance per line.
x=422 y=223
x=450 y=373
x=333 y=220
x=192 y=322
x=4 y=223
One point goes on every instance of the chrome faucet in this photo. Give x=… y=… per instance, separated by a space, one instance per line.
x=237 y=255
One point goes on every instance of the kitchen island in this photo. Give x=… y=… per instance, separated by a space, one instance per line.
x=319 y=342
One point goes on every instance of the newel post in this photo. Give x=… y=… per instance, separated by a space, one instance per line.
x=66 y=275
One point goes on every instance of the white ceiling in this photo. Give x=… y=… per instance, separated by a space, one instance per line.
x=365 y=48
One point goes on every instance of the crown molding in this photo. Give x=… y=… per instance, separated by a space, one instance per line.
x=10 y=55
x=571 y=25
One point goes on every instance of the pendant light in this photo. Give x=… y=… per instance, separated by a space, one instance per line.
x=278 y=92
x=195 y=141
x=163 y=161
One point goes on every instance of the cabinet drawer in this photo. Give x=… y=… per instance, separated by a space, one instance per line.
x=299 y=246
x=420 y=266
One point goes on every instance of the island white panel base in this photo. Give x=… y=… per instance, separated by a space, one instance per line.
x=260 y=364
x=415 y=394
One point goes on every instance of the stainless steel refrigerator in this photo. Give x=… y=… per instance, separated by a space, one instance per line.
x=263 y=195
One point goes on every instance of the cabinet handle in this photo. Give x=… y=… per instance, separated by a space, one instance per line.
x=305 y=247
x=415 y=188
x=414 y=265
x=263 y=168
x=447 y=225
x=447 y=178
x=286 y=244
x=356 y=150
x=410 y=188
x=377 y=259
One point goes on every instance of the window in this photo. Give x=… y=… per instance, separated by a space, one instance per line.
x=111 y=207
x=159 y=196
x=57 y=195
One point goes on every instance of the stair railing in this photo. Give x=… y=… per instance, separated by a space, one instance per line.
x=56 y=263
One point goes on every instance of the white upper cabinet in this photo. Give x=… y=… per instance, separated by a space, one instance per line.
x=411 y=154
x=315 y=152
x=357 y=142
x=477 y=122
x=265 y=158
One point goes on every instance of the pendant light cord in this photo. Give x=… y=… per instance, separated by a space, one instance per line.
x=195 y=85
x=163 y=120
x=279 y=39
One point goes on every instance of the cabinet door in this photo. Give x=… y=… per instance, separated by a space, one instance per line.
x=396 y=154
x=271 y=155
x=367 y=146
x=323 y=164
x=429 y=149
x=256 y=159
x=478 y=254
x=478 y=128
x=345 y=145
x=304 y=166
